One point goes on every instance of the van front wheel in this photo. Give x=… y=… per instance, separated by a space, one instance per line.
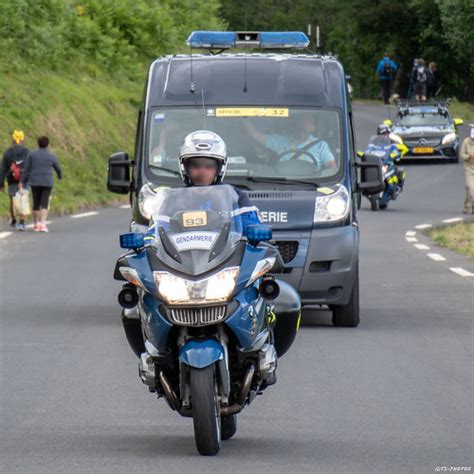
x=347 y=316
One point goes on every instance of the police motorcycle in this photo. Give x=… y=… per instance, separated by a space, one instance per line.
x=394 y=176
x=201 y=309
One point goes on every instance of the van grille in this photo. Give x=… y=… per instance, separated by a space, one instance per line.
x=270 y=195
x=288 y=249
x=197 y=316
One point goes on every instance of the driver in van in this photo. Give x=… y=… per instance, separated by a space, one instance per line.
x=203 y=162
x=304 y=138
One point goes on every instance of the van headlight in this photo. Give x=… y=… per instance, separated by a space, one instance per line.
x=334 y=207
x=396 y=138
x=218 y=288
x=449 y=138
x=145 y=201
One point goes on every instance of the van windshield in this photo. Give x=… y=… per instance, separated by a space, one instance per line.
x=266 y=142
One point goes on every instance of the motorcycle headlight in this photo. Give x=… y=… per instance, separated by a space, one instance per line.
x=218 y=288
x=145 y=201
x=131 y=275
x=262 y=267
x=334 y=207
x=396 y=138
x=384 y=169
x=449 y=138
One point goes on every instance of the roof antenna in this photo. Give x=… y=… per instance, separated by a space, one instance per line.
x=192 y=87
x=245 y=72
x=203 y=109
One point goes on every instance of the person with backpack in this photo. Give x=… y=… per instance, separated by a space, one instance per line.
x=386 y=70
x=420 y=78
x=38 y=173
x=12 y=164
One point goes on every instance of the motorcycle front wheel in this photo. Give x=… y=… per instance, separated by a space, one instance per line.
x=206 y=412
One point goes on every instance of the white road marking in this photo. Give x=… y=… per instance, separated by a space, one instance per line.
x=126 y=206
x=436 y=257
x=454 y=219
x=412 y=239
x=423 y=226
x=4 y=235
x=460 y=271
x=422 y=247
x=410 y=233
x=84 y=214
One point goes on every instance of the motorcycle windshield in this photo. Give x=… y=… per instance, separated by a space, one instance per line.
x=196 y=228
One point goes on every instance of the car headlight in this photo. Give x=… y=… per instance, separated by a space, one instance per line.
x=262 y=267
x=218 y=288
x=131 y=275
x=396 y=138
x=145 y=201
x=334 y=207
x=449 y=138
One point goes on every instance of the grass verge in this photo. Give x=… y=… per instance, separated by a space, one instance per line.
x=458 y=237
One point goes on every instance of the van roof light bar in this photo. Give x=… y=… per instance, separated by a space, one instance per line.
x=248 y=39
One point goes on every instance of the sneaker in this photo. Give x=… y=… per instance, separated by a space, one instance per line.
x=21 y=227
x=43 y=228
x=13 y=223
x=36 y=227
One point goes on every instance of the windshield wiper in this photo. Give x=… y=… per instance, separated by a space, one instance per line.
x=167 y=170
x=279 y=180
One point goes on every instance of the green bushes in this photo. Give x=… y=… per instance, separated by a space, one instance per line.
x=74 y=70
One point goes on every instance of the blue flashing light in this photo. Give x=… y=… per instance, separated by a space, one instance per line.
x=258 y=233
x=237 y=39
x=211 y=39
x=284 y=39
x=133 y=240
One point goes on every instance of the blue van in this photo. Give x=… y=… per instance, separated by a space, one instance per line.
x=285 y=115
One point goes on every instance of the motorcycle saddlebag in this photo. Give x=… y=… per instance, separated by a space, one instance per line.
x=288 y=312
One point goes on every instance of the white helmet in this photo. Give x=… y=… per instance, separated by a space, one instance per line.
x=203 y=144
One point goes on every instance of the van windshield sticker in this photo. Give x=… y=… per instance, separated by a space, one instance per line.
x=250 y=112
x=159 y=118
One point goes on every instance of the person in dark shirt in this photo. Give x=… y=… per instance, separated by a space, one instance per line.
x=12 y=164
x=38 y=173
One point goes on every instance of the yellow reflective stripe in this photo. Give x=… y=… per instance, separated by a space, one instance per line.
x=298 y=323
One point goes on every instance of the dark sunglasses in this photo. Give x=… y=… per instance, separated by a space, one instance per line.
x=208 y=164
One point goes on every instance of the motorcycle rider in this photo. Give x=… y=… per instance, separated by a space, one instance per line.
x=203 y=162
x=382 y=139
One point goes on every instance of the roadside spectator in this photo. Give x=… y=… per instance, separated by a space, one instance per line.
x=386 y=70
x=434 y=81
x=38 y=173
x=420 y=78
x=467 y=154
x=12 y=164
x=410 y=84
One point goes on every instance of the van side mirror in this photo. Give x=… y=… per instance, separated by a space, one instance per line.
x=118 y=176
x=458 y=122
x=371 y=179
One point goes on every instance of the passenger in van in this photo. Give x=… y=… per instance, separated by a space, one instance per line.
x=304 y=138
x=169 y=139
